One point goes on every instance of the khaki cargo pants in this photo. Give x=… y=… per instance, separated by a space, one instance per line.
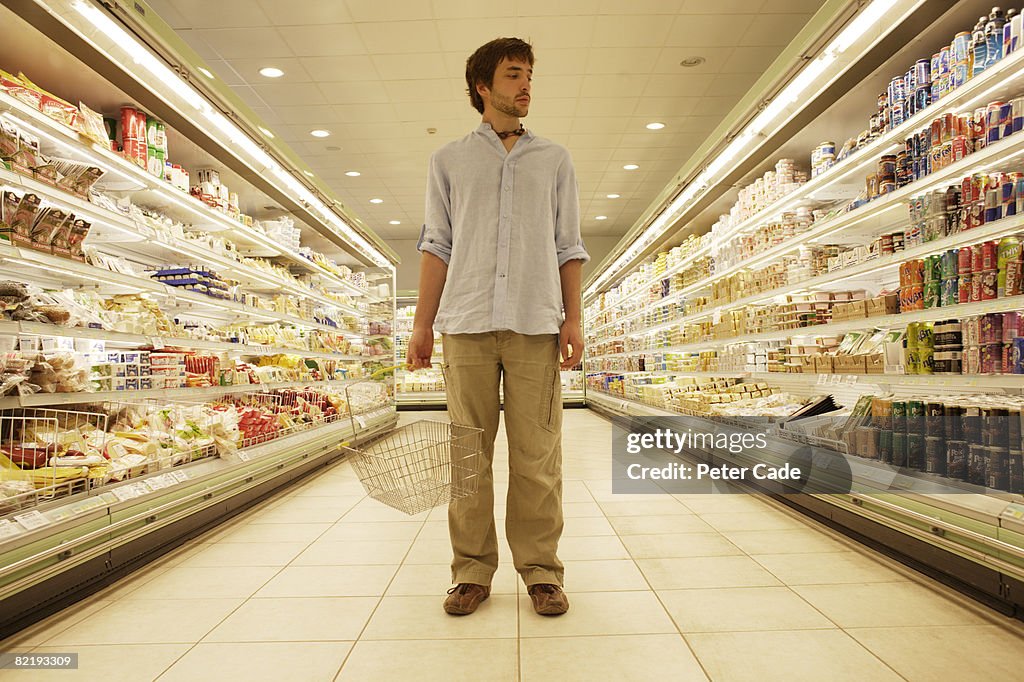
x=475 y=365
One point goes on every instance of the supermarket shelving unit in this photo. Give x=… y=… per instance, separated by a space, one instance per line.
x=974 y=541
x=68 y=540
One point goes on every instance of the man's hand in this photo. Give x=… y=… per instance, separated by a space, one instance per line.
x=569 y=336
x=421 y=347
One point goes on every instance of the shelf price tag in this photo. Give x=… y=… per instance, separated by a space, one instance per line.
x=243 y=456
x=32 y=520
x=157 y=342
x=8 y=528
x=361 y=422
x=179 y=476
x=124 y=493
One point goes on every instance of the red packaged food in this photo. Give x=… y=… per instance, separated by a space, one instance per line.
x=30 y=455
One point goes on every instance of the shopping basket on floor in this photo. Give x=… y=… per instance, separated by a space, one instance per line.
x=421 y=465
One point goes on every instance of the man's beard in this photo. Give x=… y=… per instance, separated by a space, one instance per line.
x=508 y=106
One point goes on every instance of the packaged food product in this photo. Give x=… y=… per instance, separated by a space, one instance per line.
x=91 y=125
x=25 y=218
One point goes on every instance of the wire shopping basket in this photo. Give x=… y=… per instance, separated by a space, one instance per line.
x=421 y=465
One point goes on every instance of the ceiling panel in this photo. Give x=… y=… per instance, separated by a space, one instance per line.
x=380 y=73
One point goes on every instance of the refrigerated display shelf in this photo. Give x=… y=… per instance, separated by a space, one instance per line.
x=137 y=180
x=1004 y=79
x=883 y=321
x=992 y=231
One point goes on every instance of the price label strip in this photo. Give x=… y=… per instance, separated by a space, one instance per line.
x=32 y=520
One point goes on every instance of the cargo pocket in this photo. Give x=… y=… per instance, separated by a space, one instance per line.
x=549 y=400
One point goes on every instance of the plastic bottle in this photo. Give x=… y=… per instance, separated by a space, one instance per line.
x=994 y=36
x=979 y=47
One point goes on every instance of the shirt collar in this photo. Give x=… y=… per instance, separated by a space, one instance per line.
x=486 y=130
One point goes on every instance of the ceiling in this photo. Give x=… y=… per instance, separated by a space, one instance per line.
x=378 y=74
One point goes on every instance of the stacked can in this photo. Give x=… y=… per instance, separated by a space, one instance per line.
x=933 y=281
x=896 y=98
x=156 y=146
x=822 y=158
x=959 y=53
x=922 y=84
x=133 y=136
x=886 y=174
x=950 y=283
x=1010 y=267
x=948 y=347
x=911 y=285
x=992 y=343
x=964 y=260
x=920 y=348
x=972 y=198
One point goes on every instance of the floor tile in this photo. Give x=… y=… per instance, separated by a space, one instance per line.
x=887 y=604
x=150 y=621
x=334 y=502
x=598 y=613
x=624 y=658
x=647 y=525
x=440 y=552
x=110 y=663
x=345 y=531
x=741 y=609
x=590 y=548
x=487 y=660
x=573 y=510
x=305 y=619
x=414 y=580
x=959 y=652
x=422 y=618
x=268 y=661
x=670 y=545
x=703 y=572
x=831 y=568
x=736 y=502
x=274 y=532
x=659 y=505
x=582 y=526
x=615 y=575
x=793 y=656
x=49 y=627
x=288 y=515
x=247 y=554
x=329 y=581
x=184 y=582
x=739 y=521
x=371 y=510
x=353 y=553
x=802 y=541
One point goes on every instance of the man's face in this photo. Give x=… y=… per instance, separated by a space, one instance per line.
x=510 y=92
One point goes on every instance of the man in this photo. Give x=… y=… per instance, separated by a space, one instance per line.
x=501 y=261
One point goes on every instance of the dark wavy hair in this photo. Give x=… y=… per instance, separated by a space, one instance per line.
x=480 y=67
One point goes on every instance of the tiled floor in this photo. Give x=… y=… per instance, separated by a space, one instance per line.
x=323 y=584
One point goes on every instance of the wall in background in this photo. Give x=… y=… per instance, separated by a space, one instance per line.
x=409 y=270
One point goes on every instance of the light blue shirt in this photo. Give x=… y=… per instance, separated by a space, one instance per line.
x=504 y=222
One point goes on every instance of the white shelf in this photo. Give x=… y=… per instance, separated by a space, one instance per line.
x=178 y=205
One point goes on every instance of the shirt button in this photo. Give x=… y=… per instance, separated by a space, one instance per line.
x=507 y=188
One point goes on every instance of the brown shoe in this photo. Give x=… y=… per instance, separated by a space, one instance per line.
x=548 y=600
x=464 y=598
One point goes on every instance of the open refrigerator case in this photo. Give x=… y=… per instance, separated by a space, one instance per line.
x=871 y=279
x=190 y=322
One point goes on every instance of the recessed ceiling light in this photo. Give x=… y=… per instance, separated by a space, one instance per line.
x=655 y=126
x=320 y=133
x=394 y=222
x=266 y=132
x=601 y=217
x=352 y=174
x=333 y=149
x=271 y=72
x=376 y=201
x=205 y=72
x=630 y=166
x=692 y=61
x=613 y=196
x=308 y=173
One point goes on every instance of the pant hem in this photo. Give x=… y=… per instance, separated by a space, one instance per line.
x=540 y=576
x=473 y=577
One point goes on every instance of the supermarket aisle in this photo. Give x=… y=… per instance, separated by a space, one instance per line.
x=321 y=583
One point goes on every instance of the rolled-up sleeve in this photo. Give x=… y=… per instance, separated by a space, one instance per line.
x=436 y=234
x=567 y=218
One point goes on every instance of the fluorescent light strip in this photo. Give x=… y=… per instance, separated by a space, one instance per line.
x=236 y=136
x=867 y=18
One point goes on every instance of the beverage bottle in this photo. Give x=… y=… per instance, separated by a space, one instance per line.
x=994 y=36
x=979 y=47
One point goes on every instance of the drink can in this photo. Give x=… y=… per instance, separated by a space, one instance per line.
x=961 y=147
x=989 y=255
x=1014 y=278
x=1009 y=251
x=1008 y=197
x=1017 y=114
x=947 y=127
x=933 y=268
x=963 y=258
x=989 y=285
x=993 y=205
x=961 y=45
x=959 y=75
x=1017 y=356
x=887 y=168
x=964 y=289
x=945 y=154
x=991 y=328
x=944 y=61
x=948 y=262
x=991 y=358
x=933 y=66
x=932 y=294
x=997 y=115
x=922 y=96
x=152 y=133
x=950 y=292
x=979 y=128
x=1016 y=32
x=896 y=114
x=1019 y=192
x=977 y=258
x=897 y=90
